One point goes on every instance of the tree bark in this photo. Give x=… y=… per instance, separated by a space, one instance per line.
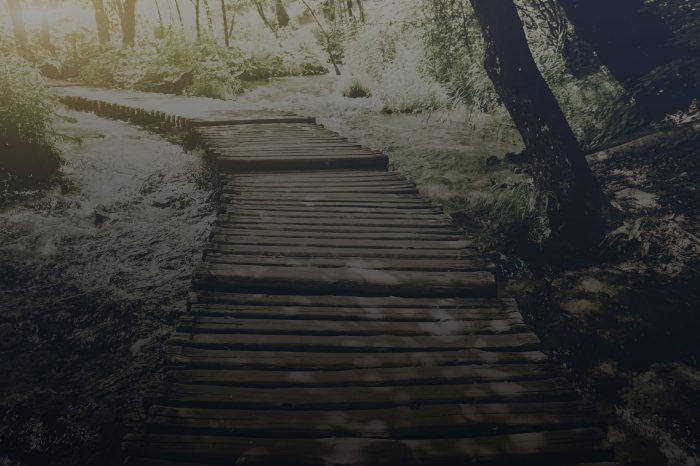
x=282 y=15
x=196 y=20
x=261 y=12
x=179 y=15
x=225 y=20
x=18 y=28
x=128 y=21
x=578 y=212
x=101 y=21
x=632 y=41
x=361 y=7
x=207 y=11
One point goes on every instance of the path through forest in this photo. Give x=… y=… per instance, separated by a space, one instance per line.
x=339 y=318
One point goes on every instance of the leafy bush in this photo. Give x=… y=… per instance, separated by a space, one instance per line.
x=390 y=63
x=357 y=90
x=173 y=64
x=510 y=212
x=27 y=150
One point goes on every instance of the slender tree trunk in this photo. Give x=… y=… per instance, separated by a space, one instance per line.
x=179 y=15
x=196 y=20
x=326 y=36
x=632 y=41
x=225 y=20
x=101 y=21
x=579 y=214
x=160 y=16
x=282 y=15
x=361 y=7
x=18 y=28
x=261 y=12
x=349 y=2
x=210 y=21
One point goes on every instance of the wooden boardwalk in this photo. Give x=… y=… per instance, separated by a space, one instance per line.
x=339 y=318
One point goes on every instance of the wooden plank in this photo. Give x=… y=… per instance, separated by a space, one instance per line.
x=265 y=221
x=446 y=265
x=310 y=241
x=387 y=377
x=444 y=229
x=222 y=324
x=207 y=389
x=331 y=251
x=398 y=422
x=198 y=358
x=352 y=314
x=363 y=282
x=378 y=235
x=510 y=342
x=343 y=209
x=213 y=297
x=525 y=449
x=300 y=163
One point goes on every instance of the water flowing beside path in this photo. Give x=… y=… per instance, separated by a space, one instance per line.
x=92 y=272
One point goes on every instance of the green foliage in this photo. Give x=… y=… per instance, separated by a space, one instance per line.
x=509 y=209
x=356 y=90
x=173 y=64
x=597 y=107
x=390 y=61
x=27 y=150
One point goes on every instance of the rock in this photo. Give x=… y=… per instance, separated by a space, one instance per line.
x=492 y=161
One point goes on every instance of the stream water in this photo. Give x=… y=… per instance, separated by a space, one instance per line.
x=94 y=271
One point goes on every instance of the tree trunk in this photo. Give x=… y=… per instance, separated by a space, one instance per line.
x=282 y=15
x=196 y=20
x=261 y=12
x=579 y=214
x=361 y=7
x=632 y=41
x=45 y=36
x=160 y=16
x=101 y=21
x=179 y=15
x=225 y=20
x=207 y=11
x=18 y=27
x=128 y=22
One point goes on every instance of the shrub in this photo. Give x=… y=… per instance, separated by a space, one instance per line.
x=389 y=61
x=357 y=90
x=27 y=150
x=173 y=64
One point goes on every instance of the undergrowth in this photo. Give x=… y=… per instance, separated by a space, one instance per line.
x=27 y=109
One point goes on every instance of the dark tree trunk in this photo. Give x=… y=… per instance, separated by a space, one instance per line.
x=225 y=20
x=282 y=15
x=579 y=214
x=196 y=20
x=18 y=28
x=128 y=22
x=632 y=41
x=101 y=21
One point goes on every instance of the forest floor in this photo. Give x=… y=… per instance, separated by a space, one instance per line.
x=625 y=322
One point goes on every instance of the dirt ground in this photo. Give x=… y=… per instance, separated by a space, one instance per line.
x=626 y=322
